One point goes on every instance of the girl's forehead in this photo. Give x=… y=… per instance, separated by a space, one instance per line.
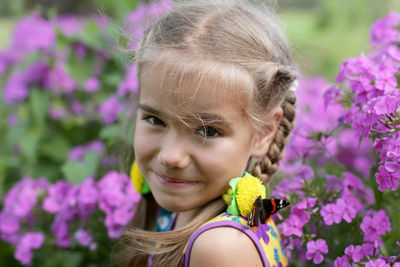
x=191 y=92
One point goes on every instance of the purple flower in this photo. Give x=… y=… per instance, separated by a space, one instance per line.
x=293 y=226
x=33 y=33
x=58 y=80
x=372 y=249
x=83 y=237
x=77 y=153
x=57 y=113
x=18 y=205
x=355 y=253
x=110 y=109
x=331 y=214
x=92 y=84
x=347 y=210
x=374 y=226
x=77 y=108
x=138 y=21
x=61 y=231
x=384 y=31
x=307 y=203
x=342 y=262
x=118 y=200
x=387 y=104
x=32 y=240
x=87 y=198
x=315 y=249
x=131 y=83
x=386 y=180
x=56 y=197
x=15 y=89
x=377 y=263
x=80 y=50
x=96 y=146
x=69 y=24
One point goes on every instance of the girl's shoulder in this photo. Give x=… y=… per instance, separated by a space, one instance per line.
x=227 y=241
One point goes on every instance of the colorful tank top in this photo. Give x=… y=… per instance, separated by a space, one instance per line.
x=266 y=239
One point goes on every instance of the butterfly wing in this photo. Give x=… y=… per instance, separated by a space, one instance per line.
x=263 y=211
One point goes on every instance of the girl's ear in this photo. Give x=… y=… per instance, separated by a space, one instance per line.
x=264 y=137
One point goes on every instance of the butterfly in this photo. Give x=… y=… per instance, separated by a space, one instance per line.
x=263 y=211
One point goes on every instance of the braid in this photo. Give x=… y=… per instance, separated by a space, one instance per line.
x=270 y=163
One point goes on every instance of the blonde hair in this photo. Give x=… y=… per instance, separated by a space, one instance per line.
x=236 y=42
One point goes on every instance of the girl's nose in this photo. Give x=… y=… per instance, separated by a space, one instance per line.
x=173 y=153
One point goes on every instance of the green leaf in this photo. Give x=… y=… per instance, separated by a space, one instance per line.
x=91 y=162
x=110 y=132
x=38 y=101
x=74 y=172
x=55 y=148
x=80 y=70
x=29 y=144
x=15 y=134
x=91 y=36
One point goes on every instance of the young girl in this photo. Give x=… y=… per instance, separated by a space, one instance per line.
x=215 y=104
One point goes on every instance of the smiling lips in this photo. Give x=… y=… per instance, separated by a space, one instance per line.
x=173 y=183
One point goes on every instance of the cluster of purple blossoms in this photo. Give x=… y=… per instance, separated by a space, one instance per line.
x=18 y=214
x=374 y=97
x=319 y=136
x=315 y=249
x=51 y=71
x=372 y=227
x=117 y=198
x=68 y=204
x=343 y=131
x=139 y=20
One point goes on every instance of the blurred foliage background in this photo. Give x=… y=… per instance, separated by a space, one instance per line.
x=323 y=32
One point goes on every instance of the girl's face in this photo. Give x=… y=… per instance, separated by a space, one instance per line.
x=191 y=140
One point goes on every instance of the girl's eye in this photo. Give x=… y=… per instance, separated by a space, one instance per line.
x=154 y=121
x=208 y=131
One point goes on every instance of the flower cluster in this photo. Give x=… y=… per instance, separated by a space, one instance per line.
x=373 y=97
x=117 y=198
x=70 y=207
x=18 y=213
x=339 y=218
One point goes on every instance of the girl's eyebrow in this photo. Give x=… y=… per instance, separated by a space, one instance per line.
x=149 y=109
x=211 y=118
x=205 y=117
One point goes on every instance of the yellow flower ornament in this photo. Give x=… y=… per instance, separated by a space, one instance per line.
x=242 y=194
x=247 y=197
x=139 y=183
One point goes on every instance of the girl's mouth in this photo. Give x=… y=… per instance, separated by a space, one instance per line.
x=172 y=182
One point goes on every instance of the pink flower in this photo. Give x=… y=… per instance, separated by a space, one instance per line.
x=292 y=226
x=331 y=214
x=315 y=249
x=348 y=211
x=342 y=262
x=386 y=180
x=110 y=109
x=377 y=263
x=374 y=226
x=92 y=84
x=387 y=104
x=355 y=253
x=32 y=240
